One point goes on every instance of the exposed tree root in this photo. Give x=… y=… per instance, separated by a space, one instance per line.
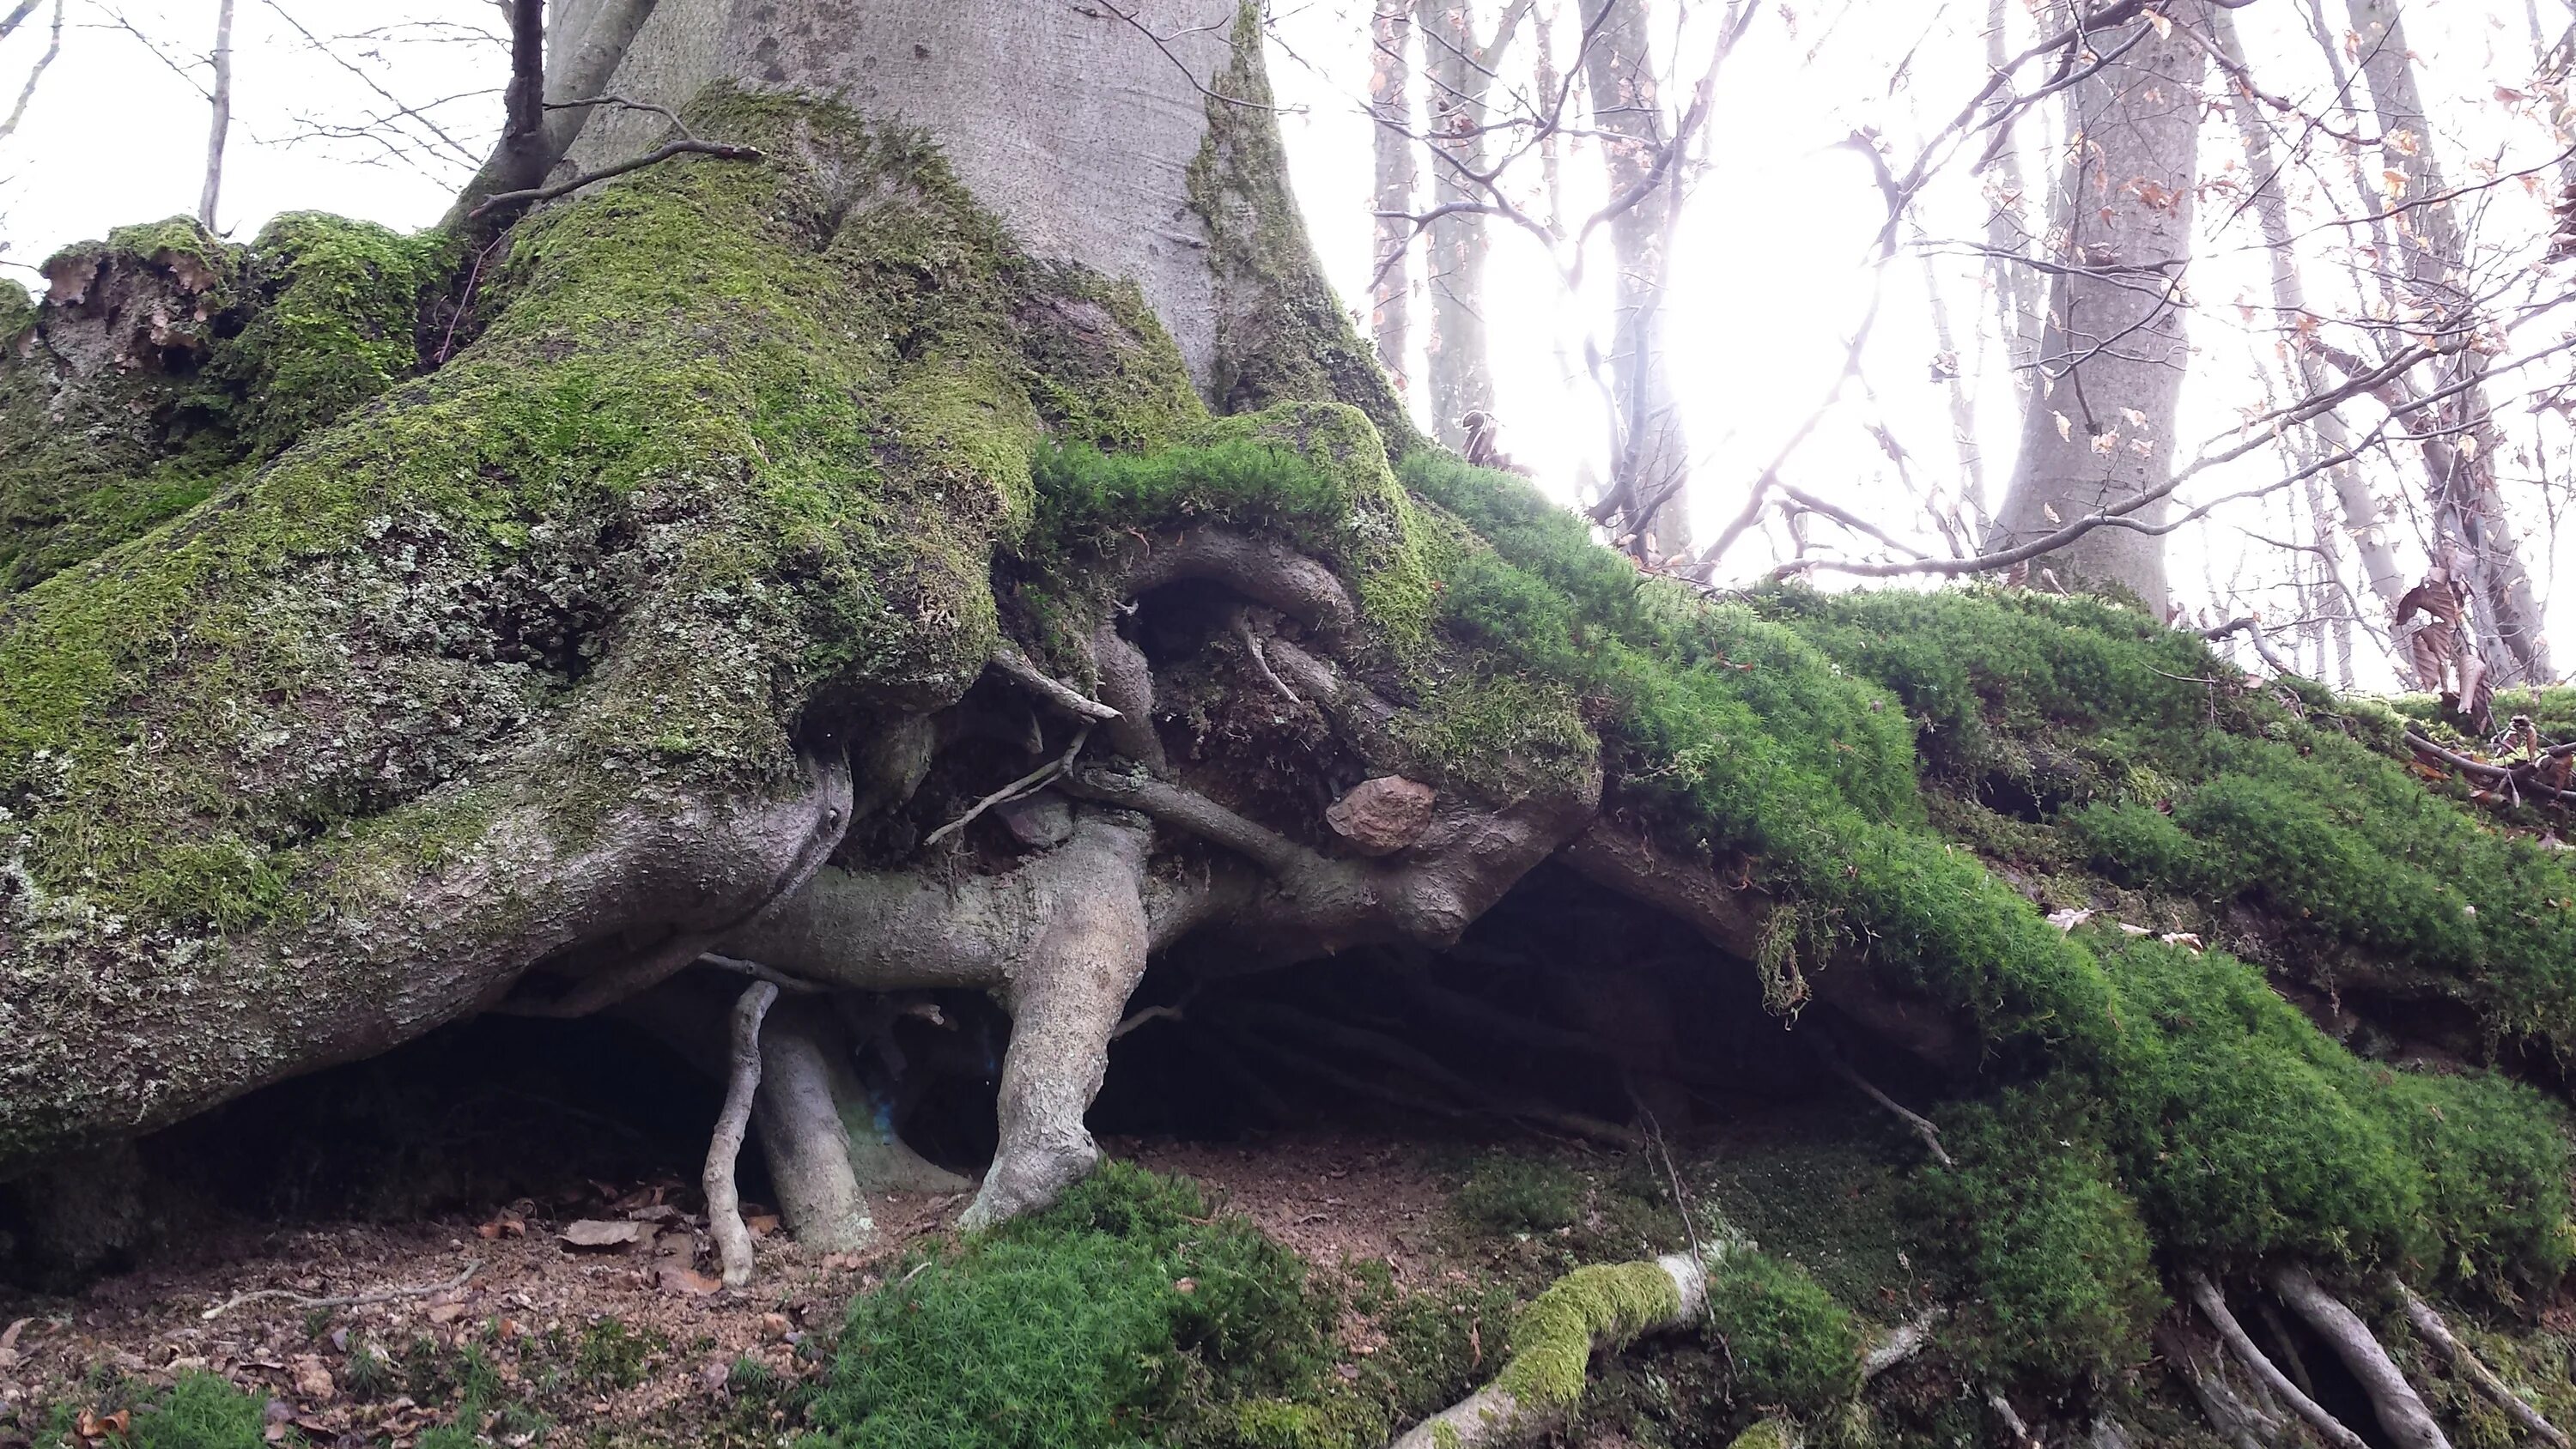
x=1921 y=1125
x=1260 y=569
x=1127 y=685
x=2429 y=1323
x=2401 y=1410
x=1600 y=1307
x=1009 y=662
x=345 y=1300
x=724 y=1202
x=2205 y=1296
x=2238 y=1422
x=1066 y=997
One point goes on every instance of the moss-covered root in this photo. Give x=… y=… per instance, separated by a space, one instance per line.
x=1603 y=1306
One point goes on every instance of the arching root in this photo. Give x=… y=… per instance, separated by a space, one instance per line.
x=2205 y=1296
x=2400 y=1409
x=2438 y=1333
x=724 y=1203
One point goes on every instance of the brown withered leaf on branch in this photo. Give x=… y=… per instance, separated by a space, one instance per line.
x=2437 y=643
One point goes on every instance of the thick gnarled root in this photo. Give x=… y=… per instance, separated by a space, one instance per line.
x=1067 y=998
x=742 y=1083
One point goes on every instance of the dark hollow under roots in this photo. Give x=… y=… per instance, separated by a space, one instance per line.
x=1565 y=1014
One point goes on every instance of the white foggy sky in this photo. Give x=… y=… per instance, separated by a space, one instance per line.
x=1774 y=255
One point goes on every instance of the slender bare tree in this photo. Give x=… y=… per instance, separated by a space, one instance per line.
x=1460 y=71
x=1391 y=102
x=218 y=130
x=1627 y=107
x=2460 y=439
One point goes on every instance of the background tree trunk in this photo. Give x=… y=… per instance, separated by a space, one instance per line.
x=1628 y=108
x=2098 y=428
x=2432 y=254
x=1391 y=99
x=1458 y=71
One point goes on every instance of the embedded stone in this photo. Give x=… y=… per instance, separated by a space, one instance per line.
x=1382 y=816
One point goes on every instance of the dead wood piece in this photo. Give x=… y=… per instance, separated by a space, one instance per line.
x=2401 y=1410
x=2205 y=1296
x=2429 y=1323
x=350 y=1300
x=724 y=1202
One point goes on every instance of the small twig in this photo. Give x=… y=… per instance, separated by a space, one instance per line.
x=348 y=1300
x=724 y=1199
x=1149 y=1014
x=2252 y=628
x=758 y=972
x=1251 y=641
x=1922 y=1125
x=1024 y=785
x=530 y=197
x=1017 y=667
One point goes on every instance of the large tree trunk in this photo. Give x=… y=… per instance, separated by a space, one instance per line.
x=537 y=678
x=2098 y=428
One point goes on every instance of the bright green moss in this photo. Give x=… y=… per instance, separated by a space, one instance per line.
x=1125 y=1314
x=2057 y=1251
x=1788 y=1344
x=199 y=1411
x=1281 y=335
x=1552 y=1341
x=17 y=312
x=334 y=305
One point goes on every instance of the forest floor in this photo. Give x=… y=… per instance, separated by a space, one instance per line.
x=375 y=1332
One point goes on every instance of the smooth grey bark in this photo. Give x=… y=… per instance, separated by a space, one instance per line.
x=1628 y=109
x=2098 y=428
x=1458 y=71
x=1391 y=103
x=1087 y=157
x=2432 y=256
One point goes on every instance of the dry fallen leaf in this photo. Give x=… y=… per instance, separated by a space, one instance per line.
x=506 y=1225
x=600 y=1233
x=678 y=1279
